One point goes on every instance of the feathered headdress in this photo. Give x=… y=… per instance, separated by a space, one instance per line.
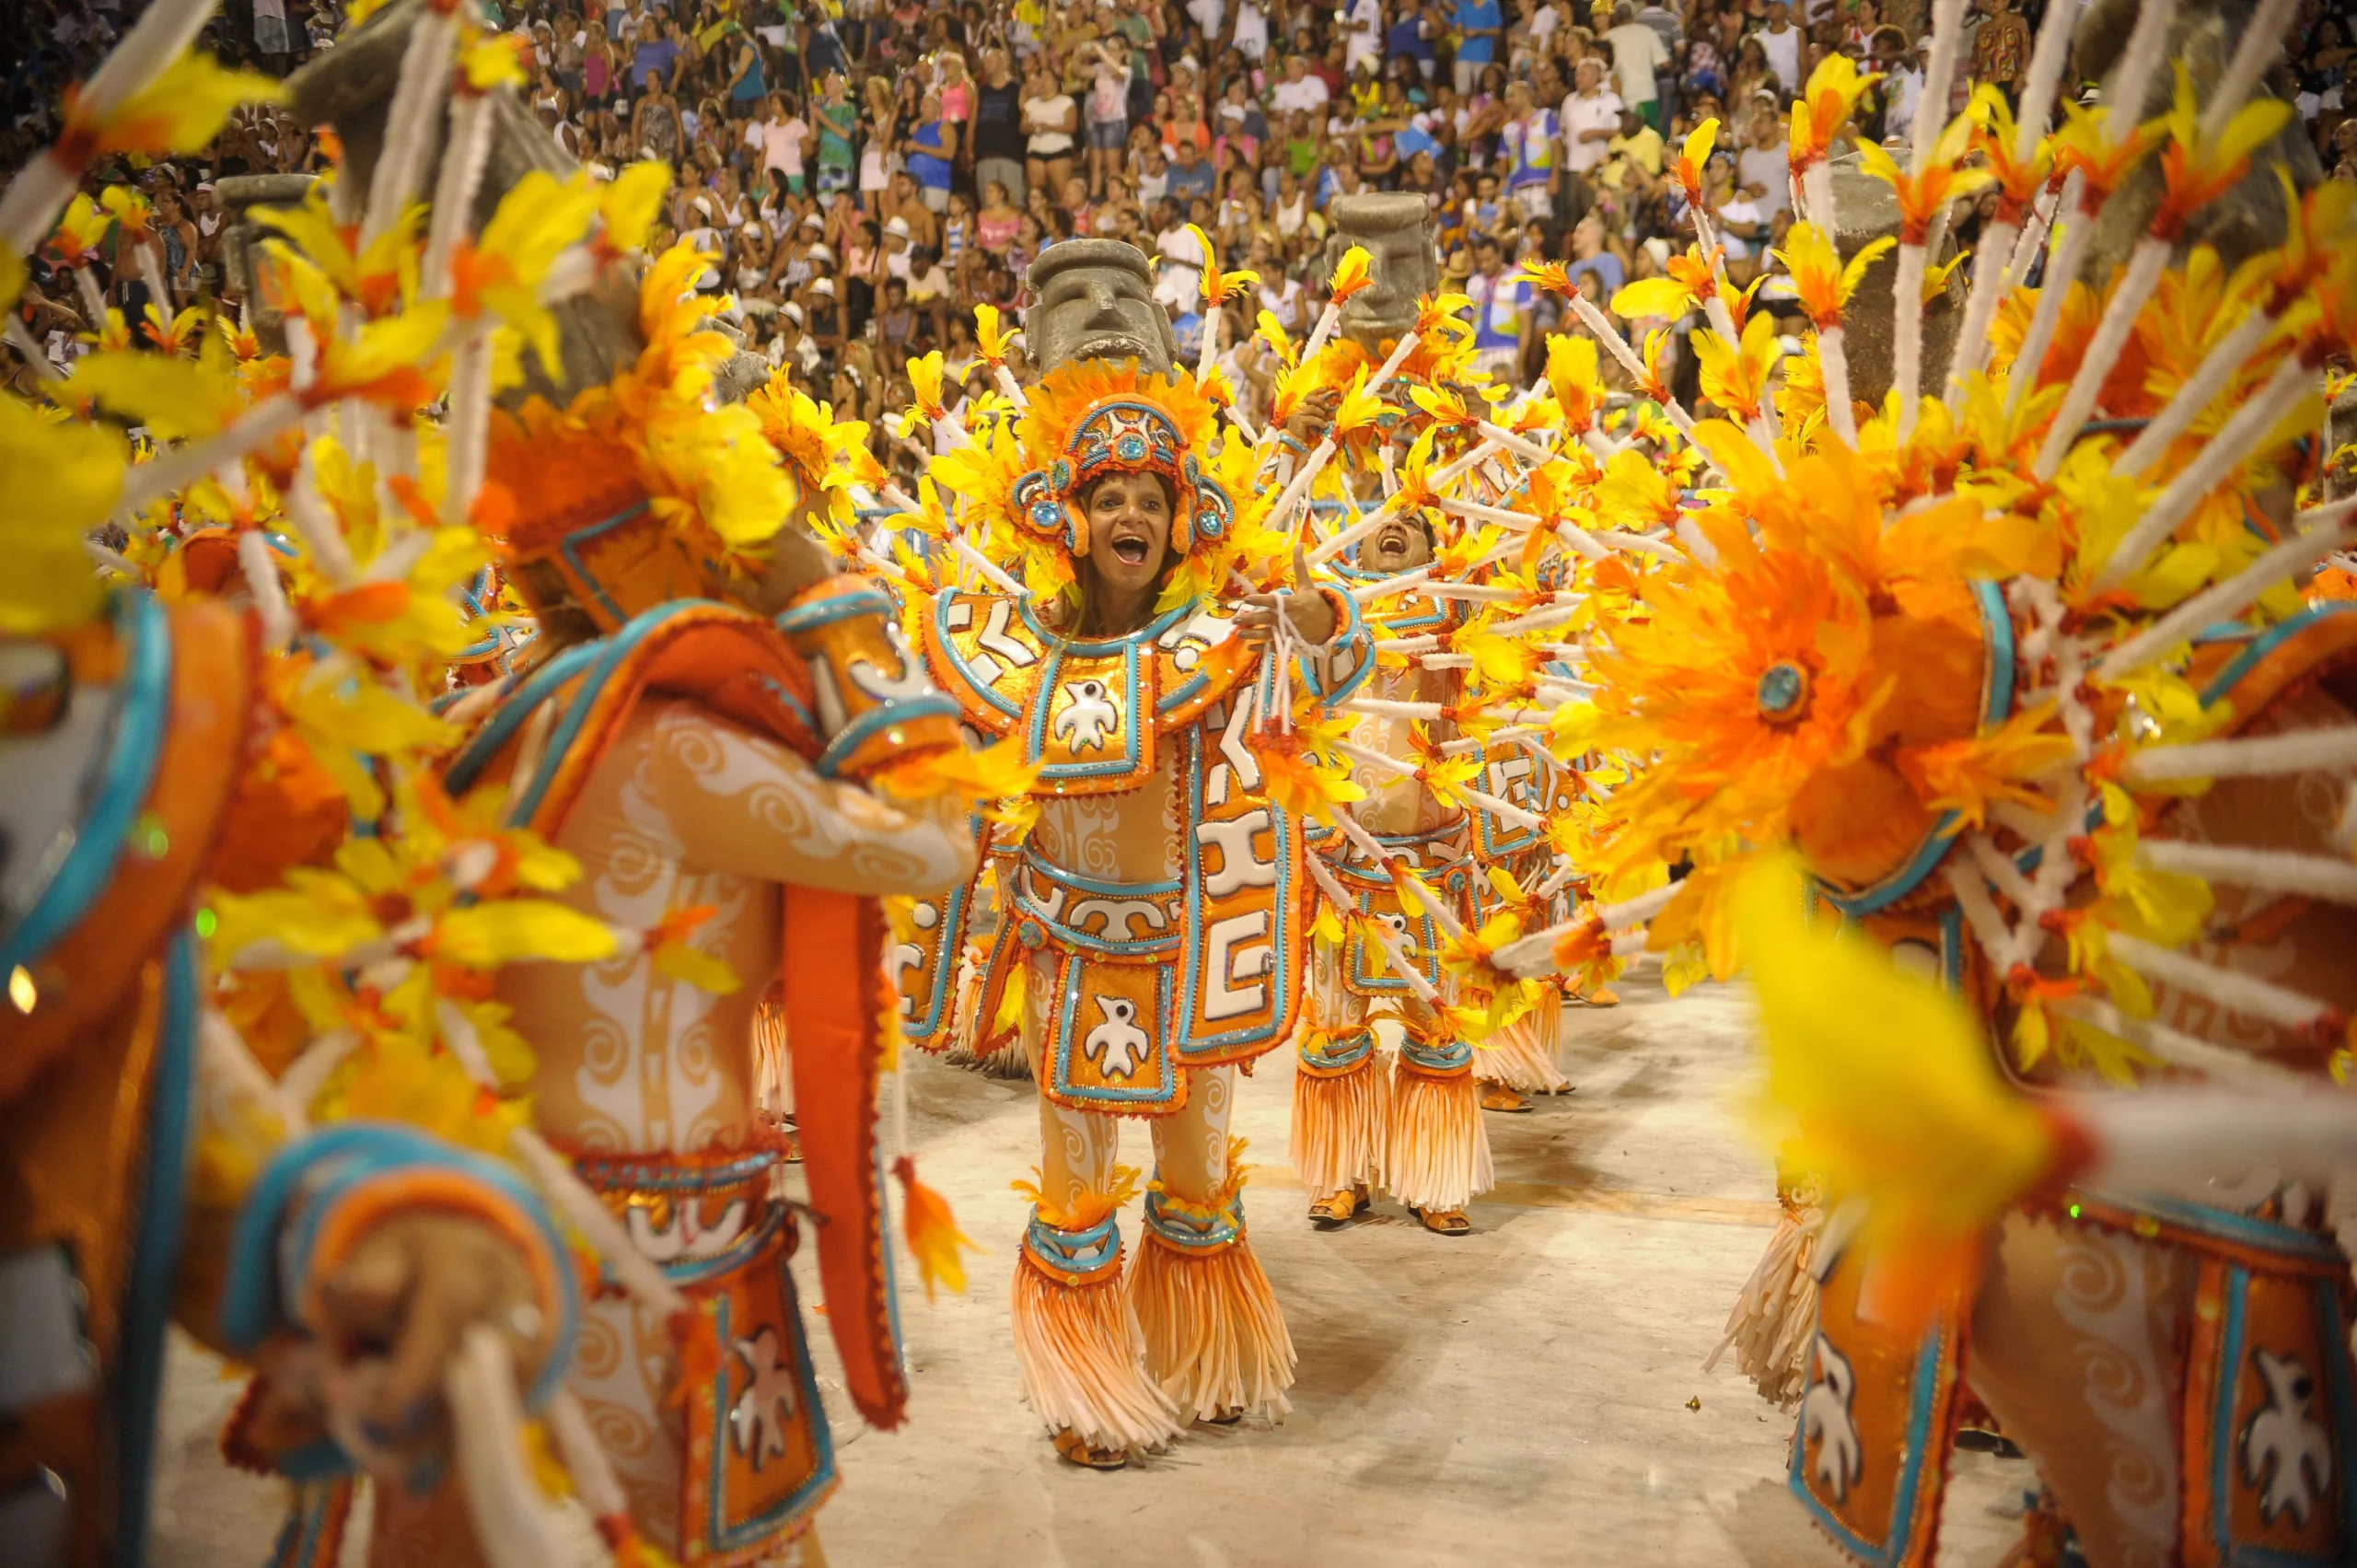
x=636 y=493
x=1090 y=419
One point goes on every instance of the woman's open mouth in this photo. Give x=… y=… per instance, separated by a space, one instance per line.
x=1130 y=551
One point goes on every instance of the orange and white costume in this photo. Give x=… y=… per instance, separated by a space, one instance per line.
x=716 y=769
x=1153 y=919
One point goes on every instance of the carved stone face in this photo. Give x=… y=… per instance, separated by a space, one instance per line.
x=1094 y=299
x=1404 y=264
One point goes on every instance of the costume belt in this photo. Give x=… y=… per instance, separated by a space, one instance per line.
x=1123 y=922
x=758 y=1458
x=1430 y=850
x=699 y=1218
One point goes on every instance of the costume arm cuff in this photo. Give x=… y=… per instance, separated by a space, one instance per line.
x=1342 y=665
x=322 y=1193
x=877 y=706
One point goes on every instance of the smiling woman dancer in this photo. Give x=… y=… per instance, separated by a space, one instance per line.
x=1154 y=918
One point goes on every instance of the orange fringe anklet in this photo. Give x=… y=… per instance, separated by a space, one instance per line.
x=1215 y=1339
x=1341 y=1100
x=1437 y=1155
x=1077 y=1343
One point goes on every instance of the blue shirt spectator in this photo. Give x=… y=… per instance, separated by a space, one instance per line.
x=1472 y=16
x=655 y=57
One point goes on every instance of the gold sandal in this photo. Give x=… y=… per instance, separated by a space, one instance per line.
x=1445 y=1222
x=1602 y=997
x=1338 y=1209
x=1077 y=1452
x=1497 y=1096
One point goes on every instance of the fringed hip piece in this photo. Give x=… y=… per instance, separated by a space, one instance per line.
x=1341 y=1098
x=1076 y=1340
x=1215 y=1338
x=1769 y=1326
x=1522 y=1055
x=1437 y=1154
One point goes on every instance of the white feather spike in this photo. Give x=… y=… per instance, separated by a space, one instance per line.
x=2321 y=531
x=1609 y=336
x=1939 y=78
x=467 y=432
x=2253 y=52
x=1501 y=515
x=1457 y=748
x=258 y=566
x=2145 y=264
x=2174 y=1140
x=2046 y=60
x=1998 y=868
x=184 y=466
x=2131 y=80
x=586 y=1213
x=1435 y=906
x=308 y=1072
x=2298 y=751
x=2275 y=870
x=1833 y=358
x=1979 y=911
x=409 y=121
x=514 y=1528
x=1581 y=540
x=1398 y=960
x=2237 y=440
x=1522 y=447
x=1505 y=809
x=2041 y=215
x=2062 y=262
x=594 y=1480
x=1405 y=583
x=2244 y=993
x=1388 y=708
x=321 y=537
x=225 y=1053
x=455 y=187
x=1980 y=308
x=21 y=340
x=151 y=272
x=113 y=560
x=1326 y=550
x=2217 y=368
x=2176 y=1048
x=1907 y=339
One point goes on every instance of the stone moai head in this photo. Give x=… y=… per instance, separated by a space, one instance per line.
x=1094 y=299
x=1395 y=230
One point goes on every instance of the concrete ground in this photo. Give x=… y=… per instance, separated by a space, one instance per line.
x=1530 y=1394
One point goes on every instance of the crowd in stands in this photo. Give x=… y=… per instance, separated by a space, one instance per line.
x=865 y=171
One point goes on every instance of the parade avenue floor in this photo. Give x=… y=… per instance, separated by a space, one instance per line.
x=1532 y=1393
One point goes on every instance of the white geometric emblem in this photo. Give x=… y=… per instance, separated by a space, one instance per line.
x=1092 y=716
x=2286 y=1451
x=1825 y=1415
x=1118 y=1044
x=758 y=1417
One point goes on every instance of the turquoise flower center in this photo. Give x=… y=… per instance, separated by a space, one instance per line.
x=1781 y=689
